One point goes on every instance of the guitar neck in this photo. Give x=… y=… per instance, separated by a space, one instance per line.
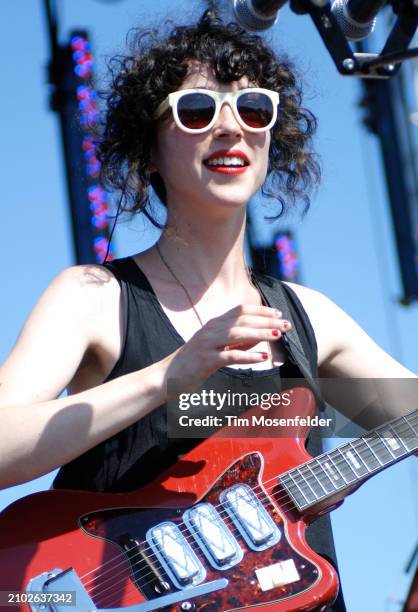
x=345 y=467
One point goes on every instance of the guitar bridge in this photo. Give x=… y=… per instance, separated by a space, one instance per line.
x=146 y=575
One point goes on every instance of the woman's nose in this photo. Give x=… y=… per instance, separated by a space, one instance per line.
x=226 y=123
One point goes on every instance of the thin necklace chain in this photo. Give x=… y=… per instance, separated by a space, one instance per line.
x=173 y=274
x=170 y=269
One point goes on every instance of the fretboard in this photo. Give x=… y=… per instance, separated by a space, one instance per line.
x=333 y=472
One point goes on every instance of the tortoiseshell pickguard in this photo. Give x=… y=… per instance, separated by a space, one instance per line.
x=243 y=589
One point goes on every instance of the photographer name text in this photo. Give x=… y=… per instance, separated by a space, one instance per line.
x=252 y=421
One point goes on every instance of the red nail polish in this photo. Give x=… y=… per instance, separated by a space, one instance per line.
x=274 y=332
x=264 y=355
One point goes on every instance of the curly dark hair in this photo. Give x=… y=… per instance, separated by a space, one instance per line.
x=155 y=67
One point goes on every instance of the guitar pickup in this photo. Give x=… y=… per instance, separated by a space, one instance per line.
x=250 y=517
x=213 y=536
x=175 y=554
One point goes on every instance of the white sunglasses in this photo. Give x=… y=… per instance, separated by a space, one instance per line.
x=196 y=110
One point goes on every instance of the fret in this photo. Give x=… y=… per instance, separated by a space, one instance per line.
x=413 y=416
x=320 y=491
x=322 y=476
x=365 y=439
x=361 y=469
x=287 y=484
x=332 y=473
x=294 y=490
x=402 y=431
x=372 y=451
x=396 y=444
x=310 y=493
x=336 y=466
x=345 y=468
x=406 y=433
x=380 y=449
x=411 y=425
x=373 y=457
x=366 y=454
x=298 y=479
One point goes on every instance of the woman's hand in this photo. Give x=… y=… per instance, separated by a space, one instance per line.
x=223 y=341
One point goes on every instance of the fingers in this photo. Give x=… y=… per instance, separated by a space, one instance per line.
x=262 y=322
x=229 y=338
x=243 y=327
x=254 y=316
x=254 y=309
x=233 y=356
x=248 y=336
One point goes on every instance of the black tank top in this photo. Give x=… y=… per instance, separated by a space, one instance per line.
x=140 y=452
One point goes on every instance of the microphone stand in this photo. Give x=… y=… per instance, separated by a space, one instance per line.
x=365 y=65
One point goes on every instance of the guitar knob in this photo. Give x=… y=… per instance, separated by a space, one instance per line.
x=187 y=605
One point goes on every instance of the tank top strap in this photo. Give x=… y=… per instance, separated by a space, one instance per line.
x=299 y=341
x=145 y=335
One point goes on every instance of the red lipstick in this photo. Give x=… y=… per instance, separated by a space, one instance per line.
x=227 y=161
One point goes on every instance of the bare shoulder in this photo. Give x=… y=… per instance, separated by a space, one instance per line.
x=86 y=282
x=344 y=347
x=317 y=305
x=87 y=290
x=78 y=313
x=81 y=293
x=306 y=294
x=330 y=323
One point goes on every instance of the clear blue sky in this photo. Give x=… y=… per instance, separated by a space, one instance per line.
x=346 y=242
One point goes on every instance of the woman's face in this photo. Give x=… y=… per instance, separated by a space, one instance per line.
x=182 y=159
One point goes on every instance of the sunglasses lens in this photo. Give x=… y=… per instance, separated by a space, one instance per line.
x=195 y=110
x=255 y=109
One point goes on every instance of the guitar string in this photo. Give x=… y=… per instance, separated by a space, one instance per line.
x=377 y=439
x=136 y=593
x=122 y=581
x=339 y=460
x=123 y=575
x=132 y=595
x=194 y=545
x=198 y=549
x=193 y=542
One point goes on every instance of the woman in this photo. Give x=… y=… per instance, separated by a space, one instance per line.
x=195 y=116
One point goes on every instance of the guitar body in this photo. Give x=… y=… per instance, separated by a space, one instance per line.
x=100 y=535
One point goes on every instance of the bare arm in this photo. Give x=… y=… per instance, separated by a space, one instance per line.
x=39 y=432
x=373 y=387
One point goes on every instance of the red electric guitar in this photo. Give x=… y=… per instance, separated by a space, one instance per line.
x=222 y=530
